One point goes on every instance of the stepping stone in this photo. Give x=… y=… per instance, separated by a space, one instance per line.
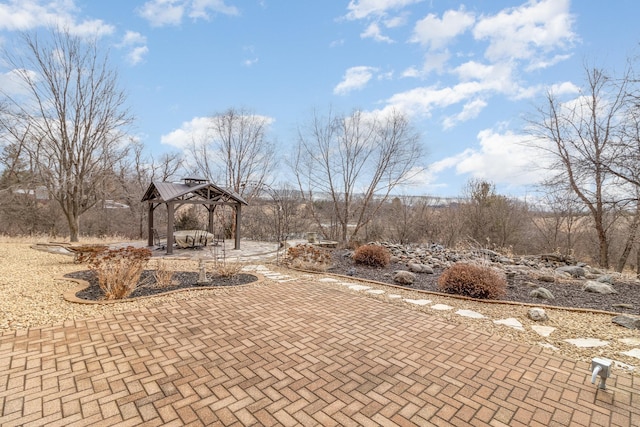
x=327 y=280
x=442 y=307
x=624 y=366
x=275 y=276
x=510 y=322
x=359 y=287
x=547 y=345
x=376 y=291
x=630 y=341
x=543 y=331
x=470 y=313
x=394 y=296
x=418 y=301
x=633 y=353
x=587 y=342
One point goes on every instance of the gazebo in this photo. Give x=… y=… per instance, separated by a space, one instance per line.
x=190 y=191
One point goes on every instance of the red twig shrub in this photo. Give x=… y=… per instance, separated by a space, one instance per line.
x=118 y=270
x=372 y=255
x=472 y=281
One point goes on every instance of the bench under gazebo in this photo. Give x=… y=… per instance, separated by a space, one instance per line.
x=191 y=191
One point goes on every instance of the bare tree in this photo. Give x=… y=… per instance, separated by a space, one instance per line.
x=556 y=220
x=236 y=151
x=491 y=217
x=137 y=172
x=71 y=115
x=581 y=135
x=355 y=161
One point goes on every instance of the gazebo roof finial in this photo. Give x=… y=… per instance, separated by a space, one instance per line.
x=194 y=180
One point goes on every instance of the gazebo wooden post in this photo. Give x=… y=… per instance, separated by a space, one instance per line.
x=170 y=213
x=150 y=239
x=211 y=210
x=238 y=217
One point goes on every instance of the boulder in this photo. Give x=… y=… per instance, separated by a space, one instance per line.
x=572 y=270
x=627 y=321
x=541 y=293
x=605 y=279
x=599 y=288
x=404 y=277
x=537 y=314
x=414 y=267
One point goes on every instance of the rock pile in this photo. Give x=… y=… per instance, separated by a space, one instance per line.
x=425 y=259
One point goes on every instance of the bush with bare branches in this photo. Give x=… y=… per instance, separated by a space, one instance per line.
x=372 y=255
x=472 y=281
x=118 y=270
x=308 y=257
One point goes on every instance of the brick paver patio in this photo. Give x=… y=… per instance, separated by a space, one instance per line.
x=295 y=353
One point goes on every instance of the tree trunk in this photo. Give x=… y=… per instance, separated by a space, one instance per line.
x=74 y=226
x=633 y=228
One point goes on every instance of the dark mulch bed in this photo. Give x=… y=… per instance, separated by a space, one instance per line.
x=566 y=294
x=183 y=279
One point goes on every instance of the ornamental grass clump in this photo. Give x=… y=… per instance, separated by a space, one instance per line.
x=372 y=255
x=308 y=257
x=118 y=270
x=472 y=281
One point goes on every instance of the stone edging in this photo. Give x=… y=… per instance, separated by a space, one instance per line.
x=462 y=297
x=70 y=295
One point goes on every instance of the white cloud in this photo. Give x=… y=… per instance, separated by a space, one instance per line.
x=202 y=8
x=436 y=33
x=171 y=12
x=137 y=54
x=471 y=110
x=373 y=32
x=251 y=52
x=422 y=100
x=525 y=31
x=360 y=9
x=433 y=62
x=24 y=15
x=197 y=131
x=132 y=38
x=502 y=158
x=355 y=78
x=162 y=12
x=193 y=131
x=11 y=82
x=137 y=45
x=564 y=88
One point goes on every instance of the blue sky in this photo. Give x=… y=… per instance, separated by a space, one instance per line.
x=465 y=72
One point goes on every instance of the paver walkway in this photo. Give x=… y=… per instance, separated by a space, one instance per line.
x=294 y=353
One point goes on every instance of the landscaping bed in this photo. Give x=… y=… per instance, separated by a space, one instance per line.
x=567 y=292
x=148 y=287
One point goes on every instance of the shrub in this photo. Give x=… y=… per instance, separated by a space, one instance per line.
x=472 y=281
x=118 y=270
x=226 y=268
x=308 y=257
x=372 y=255
x=163 y=276
x=83 y=253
